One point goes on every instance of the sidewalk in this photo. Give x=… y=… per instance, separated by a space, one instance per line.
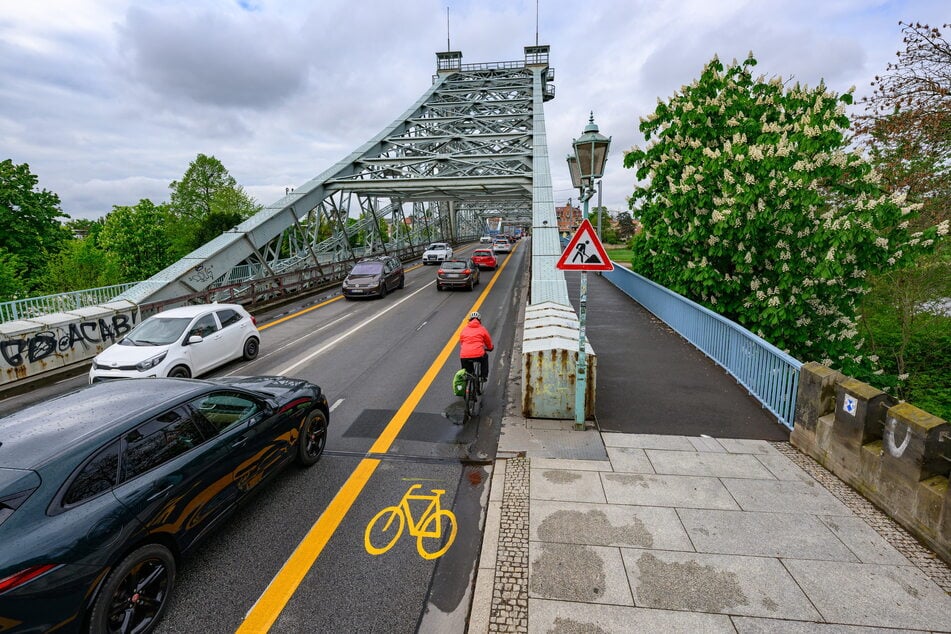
x=693 y=534
x=604 y=531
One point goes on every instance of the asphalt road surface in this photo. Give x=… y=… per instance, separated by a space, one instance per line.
x=297 y=556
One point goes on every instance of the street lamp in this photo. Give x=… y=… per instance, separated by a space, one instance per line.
x=585 y=167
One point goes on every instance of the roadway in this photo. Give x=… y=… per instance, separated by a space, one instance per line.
x=295 y=558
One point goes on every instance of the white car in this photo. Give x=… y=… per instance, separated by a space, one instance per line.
x=181 y=342
x=501 y=245
x=437 y=252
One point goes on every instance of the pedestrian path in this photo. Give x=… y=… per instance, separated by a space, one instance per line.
x=692 y=534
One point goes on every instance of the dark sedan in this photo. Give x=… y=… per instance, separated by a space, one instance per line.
x=102 y=490
x=374 y=276
x=457 y=274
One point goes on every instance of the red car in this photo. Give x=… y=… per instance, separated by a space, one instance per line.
x=485 y=259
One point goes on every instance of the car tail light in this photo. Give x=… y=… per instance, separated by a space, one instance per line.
x=440 y=272
x=25 y=576
x=253 y=320
x=467 y=272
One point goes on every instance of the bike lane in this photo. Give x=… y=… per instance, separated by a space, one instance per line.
x=389 y=576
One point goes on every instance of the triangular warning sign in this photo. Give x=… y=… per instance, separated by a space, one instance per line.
x=585 y=252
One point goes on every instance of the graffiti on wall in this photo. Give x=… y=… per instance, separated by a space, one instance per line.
x=40 y=345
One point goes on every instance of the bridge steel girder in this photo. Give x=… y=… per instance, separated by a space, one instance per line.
x=464 y=152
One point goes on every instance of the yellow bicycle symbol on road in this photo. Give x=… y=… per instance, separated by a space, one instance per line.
x=428 y=531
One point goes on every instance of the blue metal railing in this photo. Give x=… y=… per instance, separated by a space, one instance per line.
x=59 y=303
x=769 y=374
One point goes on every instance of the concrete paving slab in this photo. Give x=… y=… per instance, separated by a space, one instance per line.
x=571 y=572
x=790 y=496
x=563 y=616
x=540 y=443
x=572 y=465
x=629 y=460
x=753 y=625
x=647 y=441
x=746 y=445
x=608 y=525
x=875 y=595
x=724 y=584
x=565 y=485
x=706 y=443
x=783 y=468
x=666 y=490
x=864 y=541
x=763 y=534
x=720 y=465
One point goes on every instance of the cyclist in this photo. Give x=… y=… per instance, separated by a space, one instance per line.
x=475 y=343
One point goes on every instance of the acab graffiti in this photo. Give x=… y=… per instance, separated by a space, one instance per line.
x=39 y=345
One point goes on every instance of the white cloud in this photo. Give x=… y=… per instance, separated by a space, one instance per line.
x=109 y=100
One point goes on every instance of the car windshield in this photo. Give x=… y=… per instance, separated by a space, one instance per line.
x=367 y=268
x=482 y=253
x=453 y=265
x=436 y=246
x=157 y=331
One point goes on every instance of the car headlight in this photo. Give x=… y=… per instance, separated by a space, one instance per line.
x=148 y=364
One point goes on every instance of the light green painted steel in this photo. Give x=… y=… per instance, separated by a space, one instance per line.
x=464 y=152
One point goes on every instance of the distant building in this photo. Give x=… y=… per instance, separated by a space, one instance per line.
x=569 y=219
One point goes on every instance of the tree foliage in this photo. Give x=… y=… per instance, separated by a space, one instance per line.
x=30 y=228
x=753 y=206
x=81 y=264
x=204 y=203
x=136 y=237
x=906 y=131
x=11 y=280
x=906 y=127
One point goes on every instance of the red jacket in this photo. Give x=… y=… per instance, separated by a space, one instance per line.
x=474 y=340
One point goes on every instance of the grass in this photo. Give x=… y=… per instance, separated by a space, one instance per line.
x=618 y=253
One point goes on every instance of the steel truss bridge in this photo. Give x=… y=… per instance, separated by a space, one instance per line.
x=473 y=147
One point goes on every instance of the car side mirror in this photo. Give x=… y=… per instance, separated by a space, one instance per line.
x=194 y=339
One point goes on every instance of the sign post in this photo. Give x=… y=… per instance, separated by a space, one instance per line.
x=584 y=253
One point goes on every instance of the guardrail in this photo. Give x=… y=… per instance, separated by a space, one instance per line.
x=59 y=303
x=769 y=374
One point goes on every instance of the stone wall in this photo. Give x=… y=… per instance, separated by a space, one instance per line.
x=893 y=453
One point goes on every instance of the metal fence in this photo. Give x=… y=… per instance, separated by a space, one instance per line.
x=769 y=374
x=59 y=303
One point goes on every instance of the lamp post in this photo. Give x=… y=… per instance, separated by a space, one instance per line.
x=585 y=167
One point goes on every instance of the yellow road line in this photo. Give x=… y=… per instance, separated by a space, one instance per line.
x=269 y=605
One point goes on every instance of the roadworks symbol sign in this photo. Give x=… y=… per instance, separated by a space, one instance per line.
x=585 y=252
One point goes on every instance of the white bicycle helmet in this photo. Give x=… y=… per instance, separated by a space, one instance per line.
x=475 y=315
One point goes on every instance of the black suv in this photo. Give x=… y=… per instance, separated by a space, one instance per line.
x=374 y=276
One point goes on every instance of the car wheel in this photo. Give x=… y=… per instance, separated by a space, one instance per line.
x=179 y=372
x=313 y=438
x=382 y=289
x=470 y=286
x=402 y=281
x=438 y=287
x=251 y=349
x=135 y=594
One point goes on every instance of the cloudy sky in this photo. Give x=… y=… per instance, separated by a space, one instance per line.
x=109 y=100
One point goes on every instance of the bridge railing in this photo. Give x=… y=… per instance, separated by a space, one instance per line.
x=60 y=302
x=769 y=374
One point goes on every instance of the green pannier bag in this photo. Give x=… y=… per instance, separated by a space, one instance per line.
x=459 y=383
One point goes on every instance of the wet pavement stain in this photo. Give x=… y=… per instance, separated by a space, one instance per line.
x=561 y=477
x=628 y=480
x=593 y=527
x=569 y=572
x=770 y=605
x=569 y=626
x=687 y=586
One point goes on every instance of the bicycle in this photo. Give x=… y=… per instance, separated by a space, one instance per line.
x=474 y=386
x=429 y=526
